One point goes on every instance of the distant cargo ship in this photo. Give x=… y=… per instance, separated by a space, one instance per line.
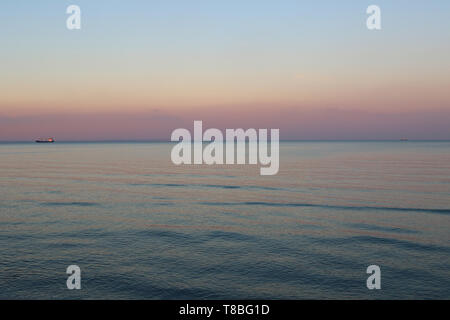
x=49 y=140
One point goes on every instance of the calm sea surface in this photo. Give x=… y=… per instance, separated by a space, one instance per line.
x=140 y=227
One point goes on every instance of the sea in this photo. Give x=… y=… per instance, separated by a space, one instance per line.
x=140 y=227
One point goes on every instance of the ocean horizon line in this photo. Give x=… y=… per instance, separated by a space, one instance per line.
x=206 y=141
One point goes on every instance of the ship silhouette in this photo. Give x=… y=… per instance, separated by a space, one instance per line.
x=48 y=140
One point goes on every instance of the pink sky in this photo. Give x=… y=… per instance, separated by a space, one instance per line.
x=293 y=124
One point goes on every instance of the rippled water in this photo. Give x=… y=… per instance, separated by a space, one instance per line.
x=141 y=227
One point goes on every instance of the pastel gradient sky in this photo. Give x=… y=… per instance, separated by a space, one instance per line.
x=140 y=69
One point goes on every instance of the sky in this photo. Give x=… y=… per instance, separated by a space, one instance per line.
x=140 y=69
